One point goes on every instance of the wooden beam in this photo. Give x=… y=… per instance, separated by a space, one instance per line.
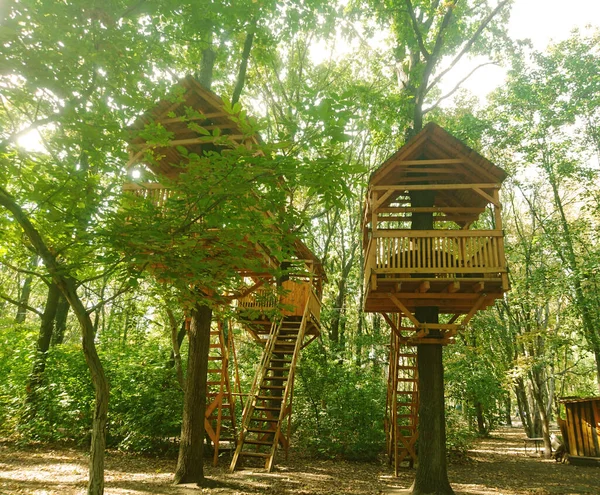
x=486 y=196
x=478 y=287
x=424 y=286
x=437 y=233
x=440 y=161
x=435 y=187
x=474 y=310
x=391 y=324
x=452 y=287
x=204 y=116
x=403 y=308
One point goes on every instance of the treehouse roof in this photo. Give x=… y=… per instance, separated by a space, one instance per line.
x=435 y=157
x=189 y=107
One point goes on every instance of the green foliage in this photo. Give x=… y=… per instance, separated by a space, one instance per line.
x=146 y=401
x=339 y=407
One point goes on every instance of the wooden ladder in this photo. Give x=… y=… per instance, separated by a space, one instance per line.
x=267 y=413
x=219 y=421
x=402 y=411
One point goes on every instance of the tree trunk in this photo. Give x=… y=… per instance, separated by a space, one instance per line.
x=68 y=288
x=241 y=78
x=175 y=352
x=26 y=292
x=190 y=466
x=507 y=410
x=60 y=321
x=524 y=410
x=480 y=419
x=43 y=344
x=432 y=473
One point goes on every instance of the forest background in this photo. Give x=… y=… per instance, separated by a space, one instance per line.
x=334 y=89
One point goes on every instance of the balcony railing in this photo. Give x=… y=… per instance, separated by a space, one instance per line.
x=435 y=253
x=294 y=300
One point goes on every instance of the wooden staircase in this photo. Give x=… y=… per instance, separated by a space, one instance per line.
x=267 y=413
x=219 y=421
x=402 y=404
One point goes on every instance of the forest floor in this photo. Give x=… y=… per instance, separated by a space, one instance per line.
x=499 y=465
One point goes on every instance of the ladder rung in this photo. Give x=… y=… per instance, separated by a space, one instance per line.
x=268 y=397
x=215 y=346
x=215 y=358
x=214 y=370
x=266 y=408
x=274 y=368
x=214 y=383
x=274 y=387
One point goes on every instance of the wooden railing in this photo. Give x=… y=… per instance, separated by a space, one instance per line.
x=157 y=193
x=298 y=294
x=435 y=252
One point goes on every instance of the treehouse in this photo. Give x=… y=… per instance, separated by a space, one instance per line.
x=282 y=315
x=452 y=266
x=432 y=238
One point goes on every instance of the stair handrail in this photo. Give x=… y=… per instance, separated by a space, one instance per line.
x=266 y=357
x=251 y=399
x=290 y=381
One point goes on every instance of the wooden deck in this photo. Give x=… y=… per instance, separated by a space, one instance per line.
x=450 y=269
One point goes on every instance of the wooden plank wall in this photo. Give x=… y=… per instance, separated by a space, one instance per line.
x=583 y=428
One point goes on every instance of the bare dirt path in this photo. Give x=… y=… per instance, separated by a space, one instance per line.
x=496 y=466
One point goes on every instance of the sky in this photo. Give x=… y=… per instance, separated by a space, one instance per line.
x=541 y=21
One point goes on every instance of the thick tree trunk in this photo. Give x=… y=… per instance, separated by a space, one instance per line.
x=42 y=346
x=432 y=473
x=190 y=466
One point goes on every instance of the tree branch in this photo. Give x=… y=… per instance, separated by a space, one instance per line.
x=469 y=43
x=413 y=18
x=20 y=304
x=456 y=88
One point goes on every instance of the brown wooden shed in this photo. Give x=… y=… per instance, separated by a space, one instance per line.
x=581 y=429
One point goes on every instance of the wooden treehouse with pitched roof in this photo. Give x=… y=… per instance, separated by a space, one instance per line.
x=281 y=315
x=425 y=245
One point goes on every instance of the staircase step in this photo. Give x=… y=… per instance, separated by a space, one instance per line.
x=214 y=370
x=215 y=358
x=257 y=442
x=267 y=408
x=275 y=378
x=268 y=397
x=254 y=454
x=268 y=420
x=262 y=432
x=275 y=368
x=272 y=387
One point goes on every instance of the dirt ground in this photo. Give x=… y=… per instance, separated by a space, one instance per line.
x=496 y=466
